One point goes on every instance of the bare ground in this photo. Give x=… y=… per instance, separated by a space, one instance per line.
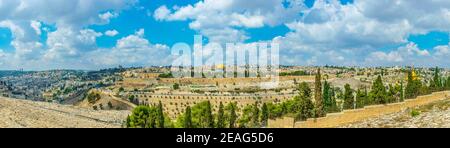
x=28 y=114
x=435 y=115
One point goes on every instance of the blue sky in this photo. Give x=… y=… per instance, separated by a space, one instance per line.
x=92 y=34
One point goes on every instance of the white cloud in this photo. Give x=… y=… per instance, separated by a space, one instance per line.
x=212 y=17
x=132 y=50
x=409 y=54
x=105 y=17
x=68 y=43
x=363 y=29
x=443 y=50
x=161 y=13
x=140 y=32
x=36 y=26
x=412 y=49
x=111 y=33
x=393 y=56
x=424 y=15
x=327 y=33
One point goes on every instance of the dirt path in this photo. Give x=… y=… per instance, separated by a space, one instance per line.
x=22 y=113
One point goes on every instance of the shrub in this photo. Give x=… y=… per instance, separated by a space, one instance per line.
x=415 y=113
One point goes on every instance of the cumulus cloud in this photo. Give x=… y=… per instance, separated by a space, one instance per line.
x=36 y=26
x=359 y=30
x=443 y=50
x=335 y=33
x=133 y=50
x=161 y=13
x=111 y=33
x=424 y=15
x=105 y=17
x=410 y=54
x=69 y=43
x=65 y=45
x=223 y=20
x=327 y=33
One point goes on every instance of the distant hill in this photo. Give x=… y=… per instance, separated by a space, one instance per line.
x=7 y=73
x=28 y=114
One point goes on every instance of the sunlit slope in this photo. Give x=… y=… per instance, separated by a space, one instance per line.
x=22 y=113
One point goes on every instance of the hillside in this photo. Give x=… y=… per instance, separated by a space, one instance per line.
x=28 y=114
x=434 y=115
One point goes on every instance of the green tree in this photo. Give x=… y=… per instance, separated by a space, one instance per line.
x=402 y=92
x=221 y=117
x=209 y=116
x=327 y=96
x=320 y=111
x=160 y=113
x=264 y=115
x=255 y=115
x=188 y=118
x=334 y=107
x=348 y=97
x=93 y=97
x=110 y=105
x=436 y=83
x=202 y=115
x=301 y=106
x=141 y=117
x=391 y=94
x=378 y=92
x=304 y=108
x=413 y=86
x=361 y=97
x=232 y=116
x=275 y=110
x=176 y=86
x=247 y=116
x=447 y=84
x=304 y=90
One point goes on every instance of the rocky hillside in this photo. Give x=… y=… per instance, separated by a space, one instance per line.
x=435 y=115
x=21 y=113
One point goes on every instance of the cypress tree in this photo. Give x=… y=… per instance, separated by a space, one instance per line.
x=255 y=115
x=334 y=107
x=188 y=118
x=327 y=97
x=448 y=83
x=160 y=113
x=402 y=93
x=320 y=112
x=220 y=117
x=208 y=116
x=436 y=82
x=360 y=98
x=348 y=97
x=264 y=115
x=391 y=93
x=233 y=116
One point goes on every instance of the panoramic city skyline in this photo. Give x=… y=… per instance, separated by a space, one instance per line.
x=93 y=35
